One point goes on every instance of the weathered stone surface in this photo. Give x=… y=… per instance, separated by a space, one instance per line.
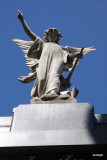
x=55 y=124
x=47 y=138
x=62 y=116
x=5 y=121
x=5 y=124
x=56 y=101
x=50 y=124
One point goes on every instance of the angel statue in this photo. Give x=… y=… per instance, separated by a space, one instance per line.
x=47 y=60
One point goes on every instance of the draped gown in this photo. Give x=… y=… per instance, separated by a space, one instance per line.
x=51 y=65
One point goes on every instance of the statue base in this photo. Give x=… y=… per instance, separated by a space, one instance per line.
x=53 y=131
x=54 y=124
x=54 y=101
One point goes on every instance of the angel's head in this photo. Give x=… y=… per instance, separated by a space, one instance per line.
x=52 y=35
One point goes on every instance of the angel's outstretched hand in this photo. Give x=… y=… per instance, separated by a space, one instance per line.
x=20 y=16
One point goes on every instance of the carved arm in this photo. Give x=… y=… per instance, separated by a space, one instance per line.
x=26 y=27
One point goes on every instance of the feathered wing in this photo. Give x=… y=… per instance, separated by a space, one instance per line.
x=25 y=45
x=30 y=62
x=72 y=50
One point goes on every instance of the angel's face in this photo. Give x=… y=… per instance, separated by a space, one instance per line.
x=52 y=36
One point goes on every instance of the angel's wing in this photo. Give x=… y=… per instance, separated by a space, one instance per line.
x=72 y=50
x=78 y=50
x=25 y=45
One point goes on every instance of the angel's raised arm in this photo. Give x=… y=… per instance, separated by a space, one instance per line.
x=26 y=27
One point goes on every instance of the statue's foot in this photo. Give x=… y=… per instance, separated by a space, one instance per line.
x=64 y=97
x=36 y=98
x=49 y=97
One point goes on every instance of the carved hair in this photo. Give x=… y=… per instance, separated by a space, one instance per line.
x=49 y=31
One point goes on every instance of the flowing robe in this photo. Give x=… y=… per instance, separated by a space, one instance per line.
x=51 y=65
x=52 y=62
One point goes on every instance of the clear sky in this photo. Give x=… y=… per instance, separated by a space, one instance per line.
x=83 y=23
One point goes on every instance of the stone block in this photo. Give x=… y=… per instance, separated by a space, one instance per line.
x=62 y=124
x=62 y=116
x=5 y=124
x=5 y=121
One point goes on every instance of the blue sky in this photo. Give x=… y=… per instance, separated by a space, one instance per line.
x=82 y=23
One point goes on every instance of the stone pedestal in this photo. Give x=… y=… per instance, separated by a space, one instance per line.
x=52 y=124
x=52 y=130
x=53 y=117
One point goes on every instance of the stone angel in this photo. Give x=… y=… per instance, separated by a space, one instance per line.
x=47 y=60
